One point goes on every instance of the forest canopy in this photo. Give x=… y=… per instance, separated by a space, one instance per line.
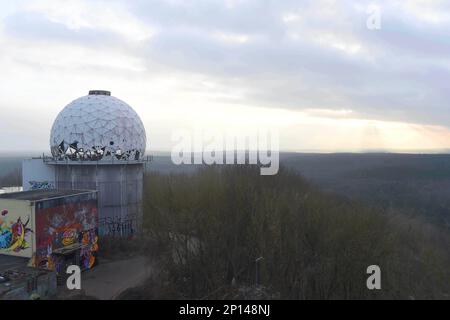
x=228 y=232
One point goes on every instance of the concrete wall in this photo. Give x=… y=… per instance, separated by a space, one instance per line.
x=16 y=228
x=37 y=175
x=66 y=224
x=120 y=188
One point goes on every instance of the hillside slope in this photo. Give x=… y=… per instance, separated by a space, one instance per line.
x=212 y=226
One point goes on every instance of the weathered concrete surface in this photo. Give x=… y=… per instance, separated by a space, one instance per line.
x=110 y=278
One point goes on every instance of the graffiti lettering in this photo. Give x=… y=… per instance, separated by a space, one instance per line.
x=118 y=226
x=41 y=185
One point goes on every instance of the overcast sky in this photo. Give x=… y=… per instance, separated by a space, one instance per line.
x=313 y=70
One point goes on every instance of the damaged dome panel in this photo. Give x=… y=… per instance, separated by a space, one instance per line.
x=98 y=127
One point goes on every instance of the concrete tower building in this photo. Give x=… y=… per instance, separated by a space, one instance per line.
x=97 y=143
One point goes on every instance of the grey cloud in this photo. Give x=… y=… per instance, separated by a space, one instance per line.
x=407 y=77
x=403 y=74
x=35 y=27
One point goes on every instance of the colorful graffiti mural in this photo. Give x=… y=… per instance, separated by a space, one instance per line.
x=89 y=252
x=41 y=185
x=66 y=230
x=13 y=234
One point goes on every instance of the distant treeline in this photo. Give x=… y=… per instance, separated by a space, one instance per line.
x=227 y=232
x=11 y=179
x=416 y=184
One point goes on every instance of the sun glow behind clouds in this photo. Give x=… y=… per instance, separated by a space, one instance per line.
x=302 y=131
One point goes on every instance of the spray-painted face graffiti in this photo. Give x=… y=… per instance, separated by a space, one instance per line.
x=13 y=236
x=69 y=237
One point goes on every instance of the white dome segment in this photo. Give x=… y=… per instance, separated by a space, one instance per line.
x=98 y=127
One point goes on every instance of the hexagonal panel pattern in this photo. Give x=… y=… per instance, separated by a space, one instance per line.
x=98 y=127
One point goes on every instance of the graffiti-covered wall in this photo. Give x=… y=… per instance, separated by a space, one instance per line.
x=119 y=193
x=37 y=175
x=16 y=238
x=62 y=225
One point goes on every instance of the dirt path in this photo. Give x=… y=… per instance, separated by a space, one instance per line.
x=110 y=278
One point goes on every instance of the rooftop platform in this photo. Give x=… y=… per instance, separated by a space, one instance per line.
x=90 y=162
x=36 y=195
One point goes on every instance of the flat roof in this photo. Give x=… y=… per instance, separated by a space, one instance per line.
x=10 y=262
x=35 y=195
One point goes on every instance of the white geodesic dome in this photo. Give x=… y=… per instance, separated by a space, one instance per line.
x=98 y=127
